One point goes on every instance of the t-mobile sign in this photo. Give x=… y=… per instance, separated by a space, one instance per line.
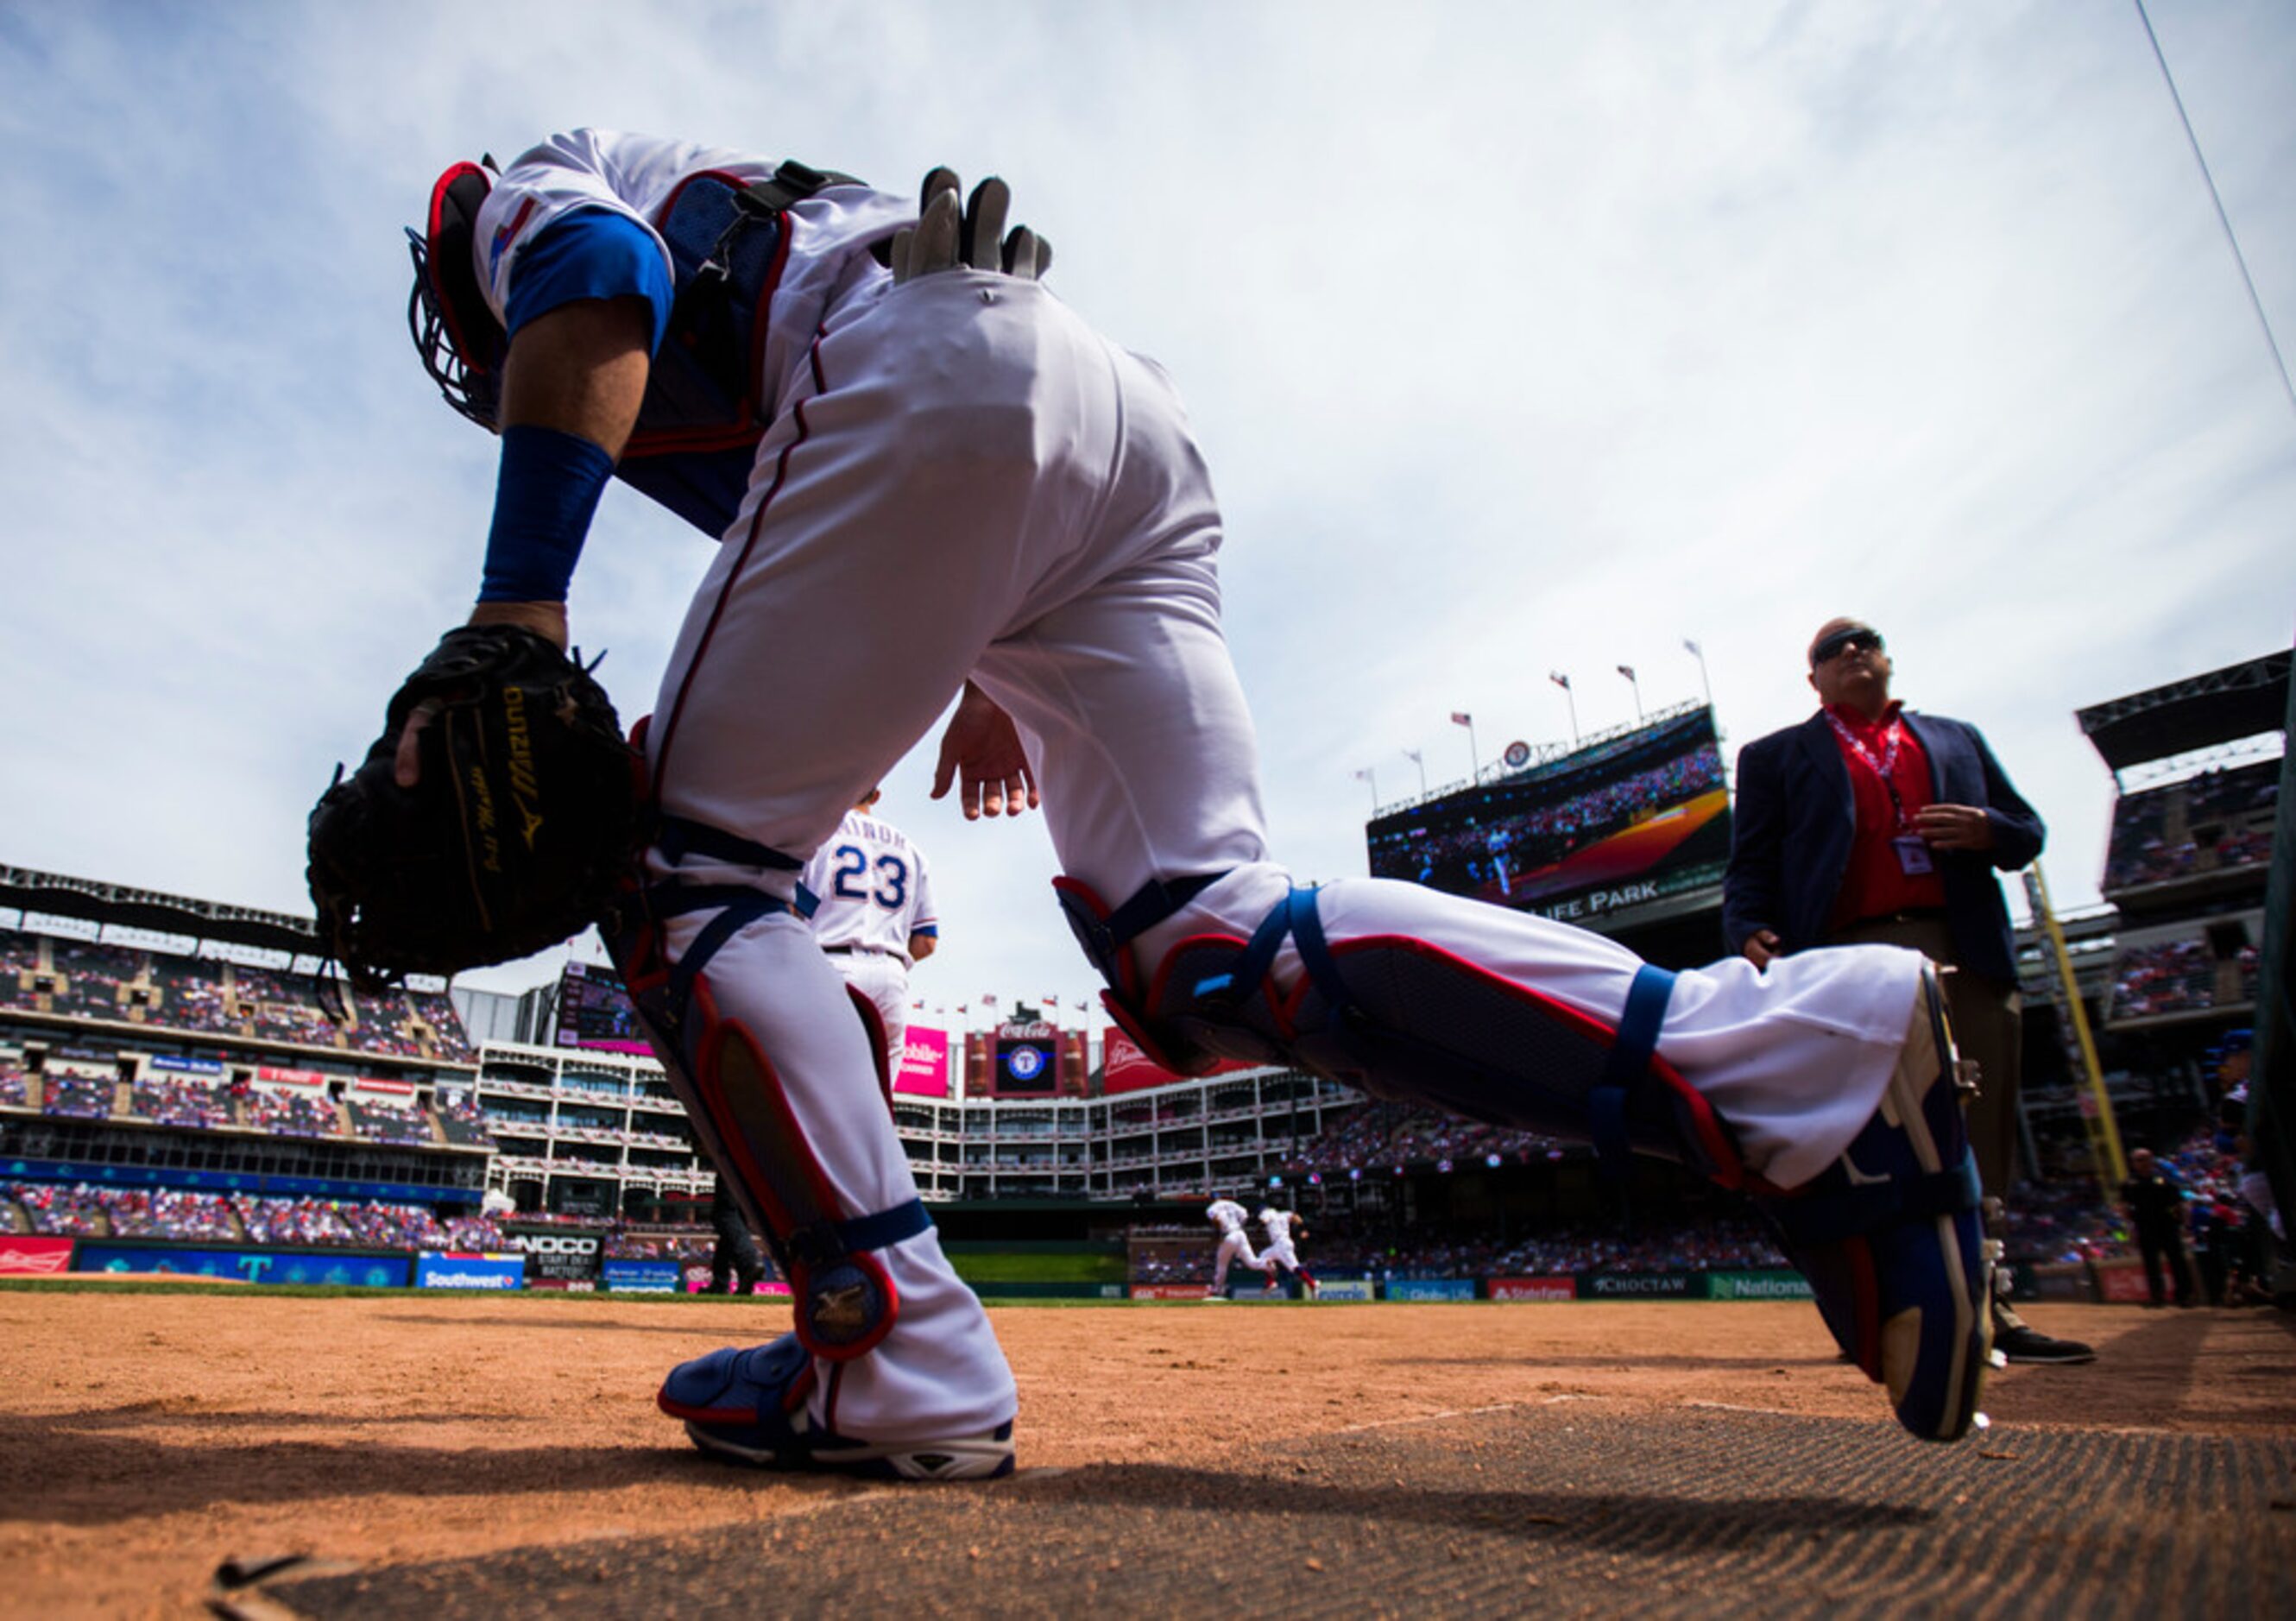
x=924 y=1063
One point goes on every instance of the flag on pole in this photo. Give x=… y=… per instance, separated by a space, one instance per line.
x=1413 y=756
x=1558 y=679
x=1693 y=648
x=1363 y=774
x=1627 y=670
x=1461 y=718
x=1052 y=1002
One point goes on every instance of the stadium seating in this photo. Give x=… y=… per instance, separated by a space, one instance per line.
x=121 y=984
x=170 y=1101
x=2216 y=820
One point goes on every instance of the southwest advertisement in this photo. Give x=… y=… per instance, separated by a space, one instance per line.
x=454 y=1270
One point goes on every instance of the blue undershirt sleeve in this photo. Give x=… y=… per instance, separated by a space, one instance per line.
x=591 y=253
x=549 y=484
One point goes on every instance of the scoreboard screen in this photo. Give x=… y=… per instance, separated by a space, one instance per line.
x=1627 y=821
x=593 y=1012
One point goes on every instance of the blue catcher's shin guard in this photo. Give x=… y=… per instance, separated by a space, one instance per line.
x=1889 y=1237
x=845 y=1300
x=1400 y=1018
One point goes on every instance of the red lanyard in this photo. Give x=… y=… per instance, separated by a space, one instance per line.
x=1886 y=767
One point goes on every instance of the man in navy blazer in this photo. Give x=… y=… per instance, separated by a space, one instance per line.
x=1866 y=824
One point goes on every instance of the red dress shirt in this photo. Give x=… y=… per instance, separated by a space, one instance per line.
x=1875 y=884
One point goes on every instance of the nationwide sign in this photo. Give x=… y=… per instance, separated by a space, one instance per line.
x=1771 y=1284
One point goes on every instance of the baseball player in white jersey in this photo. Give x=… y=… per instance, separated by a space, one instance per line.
x=1280 y=1227
x=921 y=429
x=873 y=914
x=1228 y=1217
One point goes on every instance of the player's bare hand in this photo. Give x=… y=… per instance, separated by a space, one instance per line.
x=406 y=759
x=948 y=235
x=980 y=752
x=545 y=619
x=1761 y=948
x=1955 y=827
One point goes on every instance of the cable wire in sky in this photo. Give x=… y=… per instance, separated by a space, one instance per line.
x=2224 y=219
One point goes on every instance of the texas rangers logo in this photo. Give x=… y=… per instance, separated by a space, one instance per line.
x=1025 y=1063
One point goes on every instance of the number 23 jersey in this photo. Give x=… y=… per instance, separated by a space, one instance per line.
x=870 y=884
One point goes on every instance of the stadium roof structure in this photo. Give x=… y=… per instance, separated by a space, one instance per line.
x=2224 y=706
x=99 y=903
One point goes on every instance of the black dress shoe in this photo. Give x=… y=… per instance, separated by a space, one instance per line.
x=2024 y=1343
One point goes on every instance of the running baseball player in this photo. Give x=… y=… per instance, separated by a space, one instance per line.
x=1228 y=1219
x=873 y=915
x=893 y=426
x=1280 y=1227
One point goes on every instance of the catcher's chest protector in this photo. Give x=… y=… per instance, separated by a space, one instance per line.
x=1398 y=1018
x=706 y=405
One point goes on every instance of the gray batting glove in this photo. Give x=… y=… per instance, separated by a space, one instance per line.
x=945 y=236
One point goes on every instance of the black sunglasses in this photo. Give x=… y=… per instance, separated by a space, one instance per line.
x=1841 y=641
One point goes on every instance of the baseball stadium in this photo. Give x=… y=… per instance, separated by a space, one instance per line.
x=214 y=1167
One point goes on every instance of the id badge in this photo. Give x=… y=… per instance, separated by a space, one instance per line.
x=1913 y=855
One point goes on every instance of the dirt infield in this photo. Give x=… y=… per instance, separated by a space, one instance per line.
x=144 y=1440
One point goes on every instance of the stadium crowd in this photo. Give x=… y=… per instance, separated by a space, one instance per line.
x=170 y=1101
x=209 y=996
x=2217 y=819
x=1390 y=1134
x=2178 y=976
x=185 y=1215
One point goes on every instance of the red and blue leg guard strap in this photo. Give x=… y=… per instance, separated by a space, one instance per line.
x=739 y=907
x=1628 y=1066
x=845 y=1300
x=678 y=837
x=1405 y=1019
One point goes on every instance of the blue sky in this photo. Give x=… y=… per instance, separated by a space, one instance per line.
x=1521 y=336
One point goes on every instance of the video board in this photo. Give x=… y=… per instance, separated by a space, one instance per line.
x=595 y=1012
x=1632 y=819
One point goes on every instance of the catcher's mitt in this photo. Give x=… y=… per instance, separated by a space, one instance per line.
x=522 y=824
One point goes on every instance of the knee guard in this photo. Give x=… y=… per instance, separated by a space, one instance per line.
x=1400 y=1019
x=846 y=1300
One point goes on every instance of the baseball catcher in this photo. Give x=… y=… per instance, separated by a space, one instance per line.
x=496 y=815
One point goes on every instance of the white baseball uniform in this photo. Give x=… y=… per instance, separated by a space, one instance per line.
x=1276 y=1224
x=1234 y=1245
x=958 y=467
x=873 y=893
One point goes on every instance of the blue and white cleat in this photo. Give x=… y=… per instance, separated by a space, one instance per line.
x=750 y=1406
x=1890 y=1238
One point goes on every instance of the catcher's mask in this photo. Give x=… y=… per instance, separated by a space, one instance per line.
x=457 y=336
